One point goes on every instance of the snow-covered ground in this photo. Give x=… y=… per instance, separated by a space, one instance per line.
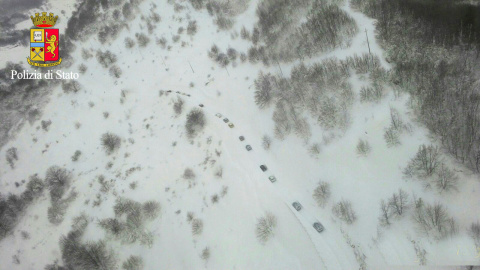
x=154 y=141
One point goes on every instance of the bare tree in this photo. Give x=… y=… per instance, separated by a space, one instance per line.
x=322 y=193
x=434 y=220
x=264 y=88
x=399 y=202
x=385 y=213
x=445 y=179
x=344 y=211
x=425 y=162
x=265 y=227
x=474 y=232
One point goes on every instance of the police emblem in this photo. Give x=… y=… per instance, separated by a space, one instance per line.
x=44 y=43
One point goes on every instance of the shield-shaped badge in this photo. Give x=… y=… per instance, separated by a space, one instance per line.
x=44 y=43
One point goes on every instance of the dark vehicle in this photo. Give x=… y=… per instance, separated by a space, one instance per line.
x=249 y=148
x=297 y=206
x=241 y=138
x=225 y=120
x=169 y=91
x=263 y=167
x=201 y=105
x=318 y=226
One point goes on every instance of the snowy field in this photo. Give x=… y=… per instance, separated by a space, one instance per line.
x=213 y=175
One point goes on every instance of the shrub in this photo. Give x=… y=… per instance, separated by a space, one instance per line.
x=244 y=34
x=178 y=106
x=265 y=227
x=142 y=40
x=110 y=142
x=264 y=88
x=71 y=86
x=192 y=28
x=197 y=226
x=12 y=156
x=82 y=68
x=151 y=209
x=133 y=263
x=474 y=232
x=76 y=155
x=363 y=148
x=343 y=210
x=35 y=185
x=115 y=71
x=322 y=193
x=188 y=174
x=56 y=213
x=232 y=54
x=91 y=255
x=58 y=181
x=391 y=137
x=46 y=124
x=266 y=142
x=195 y=122
x=206 y=253
x=106 y=58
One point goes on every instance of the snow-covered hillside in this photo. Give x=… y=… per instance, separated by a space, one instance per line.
x=211 y=190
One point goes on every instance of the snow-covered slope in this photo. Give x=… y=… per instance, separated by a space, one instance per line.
x=155 y=145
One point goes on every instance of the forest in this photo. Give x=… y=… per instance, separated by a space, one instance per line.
x=435 y=48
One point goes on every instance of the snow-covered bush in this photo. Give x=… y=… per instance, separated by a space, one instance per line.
x=244 y=33
x=195 y=122
x=178 y=106
x=266 y=142
x=363 y=148
x=71 y=86
x=197 y=226
x=106 y=58
x=151 y=209
x=35 y=185
x=474 y=232
x=344 y=211
x=206 y=253
x=76 y=155
x=12 y=156
x=58 y=181
x=86 y=256
x=110 y=142
x=129 y=43
x=265 y=227
x=133 y=263
x=392 y=137
x=192 y=28
x=264 y=88
x=115 y=71
x=322 y=193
